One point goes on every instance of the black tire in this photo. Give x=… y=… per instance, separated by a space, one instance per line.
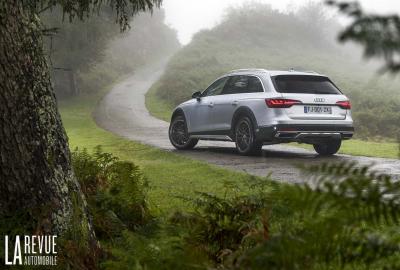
x=328 y=148
x=245 y=139
x=178 y=134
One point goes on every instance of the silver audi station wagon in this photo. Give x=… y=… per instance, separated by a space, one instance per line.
x=256 y=107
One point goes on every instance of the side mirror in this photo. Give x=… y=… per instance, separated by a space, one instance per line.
x=197 y=95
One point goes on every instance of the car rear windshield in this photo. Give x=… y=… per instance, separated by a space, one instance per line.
x=304 y=84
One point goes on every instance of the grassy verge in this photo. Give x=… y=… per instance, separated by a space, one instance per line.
x=169 y=175
x=156 y=106
x=160 y=109
x=364 y=148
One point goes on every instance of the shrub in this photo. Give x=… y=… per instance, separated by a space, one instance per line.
x=115 y=191
x=347 y=217
x=220 y=225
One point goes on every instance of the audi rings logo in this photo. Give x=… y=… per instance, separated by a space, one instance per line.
x=319 y=100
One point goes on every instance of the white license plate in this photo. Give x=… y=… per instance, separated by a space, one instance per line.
x=318 y=109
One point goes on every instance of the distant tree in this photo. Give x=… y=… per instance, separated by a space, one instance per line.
x=85 y=55
x=76 y=46
x=378 y=34
x=36 y=178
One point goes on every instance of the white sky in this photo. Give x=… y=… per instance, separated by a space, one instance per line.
x=190 y=16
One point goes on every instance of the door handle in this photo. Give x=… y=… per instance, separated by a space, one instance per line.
x=210 y=104
x=235 y=103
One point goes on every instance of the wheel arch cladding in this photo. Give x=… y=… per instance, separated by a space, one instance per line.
x=240 y=112
x=178 y=111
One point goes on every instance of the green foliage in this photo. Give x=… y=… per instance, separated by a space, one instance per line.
x=378 y=34
x=257 y=36
x=219 y=225
x=347 y=217
x=83 y=9
x=115 y=191
x=136 y=251
x=363 y=196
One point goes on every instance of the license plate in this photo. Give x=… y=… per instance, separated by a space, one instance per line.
x=318 y=109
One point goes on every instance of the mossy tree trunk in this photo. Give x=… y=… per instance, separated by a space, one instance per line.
x=35 y=166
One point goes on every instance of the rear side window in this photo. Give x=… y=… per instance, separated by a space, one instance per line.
x=242 y=84
x=255 y=85
x=304 y=84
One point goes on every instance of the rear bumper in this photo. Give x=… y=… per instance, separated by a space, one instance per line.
x=309 y=133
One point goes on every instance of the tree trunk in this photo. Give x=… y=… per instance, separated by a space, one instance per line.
x=35 y=168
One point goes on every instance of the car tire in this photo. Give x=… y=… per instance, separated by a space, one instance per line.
x=178 y=134
x=328 y=148
x=245 y=139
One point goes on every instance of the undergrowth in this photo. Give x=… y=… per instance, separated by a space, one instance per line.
x=346 y=218
x=115 y=191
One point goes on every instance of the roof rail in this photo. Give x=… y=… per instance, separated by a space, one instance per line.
x=246 y=69
x=305 y=71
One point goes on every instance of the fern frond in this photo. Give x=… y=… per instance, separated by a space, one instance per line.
x=363 y=194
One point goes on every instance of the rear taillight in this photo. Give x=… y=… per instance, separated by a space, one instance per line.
x=344 y=104
x=281 y=102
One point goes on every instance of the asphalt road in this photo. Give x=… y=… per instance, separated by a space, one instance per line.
x=123 y=112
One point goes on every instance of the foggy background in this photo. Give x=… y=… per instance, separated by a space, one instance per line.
x=190 y=16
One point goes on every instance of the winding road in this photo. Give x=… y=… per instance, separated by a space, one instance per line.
x=123 y=112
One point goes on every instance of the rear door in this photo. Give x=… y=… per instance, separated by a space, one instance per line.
x=225 y=102
x=237 y=89
x=318 y=96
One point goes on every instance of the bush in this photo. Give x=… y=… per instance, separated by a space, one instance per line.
x=219 y=225
x=115 y=191
x=347 y=218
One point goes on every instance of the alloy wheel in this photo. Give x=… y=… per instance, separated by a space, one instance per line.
x=244 y=135
x=178 y=132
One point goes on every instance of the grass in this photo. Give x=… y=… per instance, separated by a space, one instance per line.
x=364 y=148
x=160 y=109
x=157 y=106
x=169 y=174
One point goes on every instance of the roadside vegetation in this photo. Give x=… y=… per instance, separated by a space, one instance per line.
x=257 y=36
x=154 y=209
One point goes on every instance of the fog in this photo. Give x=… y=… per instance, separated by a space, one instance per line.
x=191 y=16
